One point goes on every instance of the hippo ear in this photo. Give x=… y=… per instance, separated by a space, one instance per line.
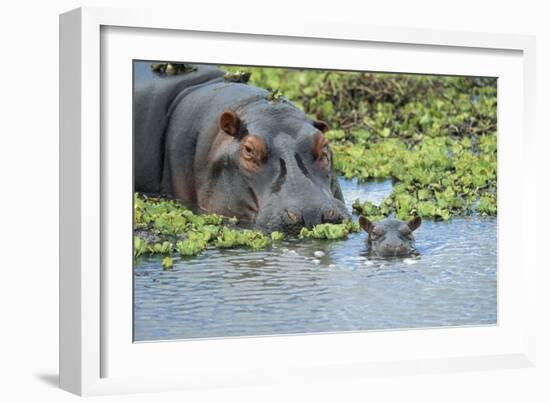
x=365 y=223
x=323 y=126
x=230 y=123
x=414 y=223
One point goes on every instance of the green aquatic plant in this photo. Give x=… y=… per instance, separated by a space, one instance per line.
x=231 y=238
x=237 y=77
x=161 y=248
x=437 y=178
x=487 y=205
x=191 y=246
x=372 y=211
x=167 y=262
x=176 y=228
x=277 y=236
x=330 y=231
x=172 y=69
x=434 y=137
x=140 y=246
x=274 y=95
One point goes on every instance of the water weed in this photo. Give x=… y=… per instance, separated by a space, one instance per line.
x=434 y=136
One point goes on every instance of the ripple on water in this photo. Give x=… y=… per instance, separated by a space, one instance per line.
x=295 y=289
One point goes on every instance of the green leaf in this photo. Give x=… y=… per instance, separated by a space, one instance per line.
x=167 y=262
x=277 y=236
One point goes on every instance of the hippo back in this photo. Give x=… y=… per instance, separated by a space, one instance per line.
x=152 y=112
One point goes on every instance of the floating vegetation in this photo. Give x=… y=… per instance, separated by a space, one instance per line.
x=277 y=236
x=164 y=227
x=178 y=228
x=167 y=262
x=192 y=245
x=274 y=95
x=434 y=136
x=237 y=77
x=171 y=69
x=140 y=246
x=437 y=178
x=330 y=231
x=230 y=238
x=161 y=248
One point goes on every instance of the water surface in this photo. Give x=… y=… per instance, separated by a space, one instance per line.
x=287 y=289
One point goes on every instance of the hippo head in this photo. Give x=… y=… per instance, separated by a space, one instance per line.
x=390 y=237
x=271 y=166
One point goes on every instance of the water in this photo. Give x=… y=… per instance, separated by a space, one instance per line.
x=288 y=289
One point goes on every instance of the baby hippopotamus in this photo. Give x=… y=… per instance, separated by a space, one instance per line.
x=390 y=237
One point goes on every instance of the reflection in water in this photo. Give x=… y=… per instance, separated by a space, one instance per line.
x=292 y=289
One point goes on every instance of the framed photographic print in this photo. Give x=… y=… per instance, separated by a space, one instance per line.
x=243 y=204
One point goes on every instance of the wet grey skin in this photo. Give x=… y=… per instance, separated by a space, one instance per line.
x=226 y=148
x=390 y=237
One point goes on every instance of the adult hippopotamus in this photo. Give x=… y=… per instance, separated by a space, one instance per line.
x=232 y=149
x=390 y=237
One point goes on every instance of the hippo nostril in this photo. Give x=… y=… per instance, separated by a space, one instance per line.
x=329 y=216
x=292 y=216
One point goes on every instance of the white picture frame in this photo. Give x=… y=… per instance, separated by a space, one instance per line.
x=96 y=355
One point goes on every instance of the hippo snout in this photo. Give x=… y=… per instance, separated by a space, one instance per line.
x=389 y=250
x=292 y=219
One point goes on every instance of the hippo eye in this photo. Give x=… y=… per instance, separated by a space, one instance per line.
x=252 y=152
x=248 y=154
x=248 y=150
